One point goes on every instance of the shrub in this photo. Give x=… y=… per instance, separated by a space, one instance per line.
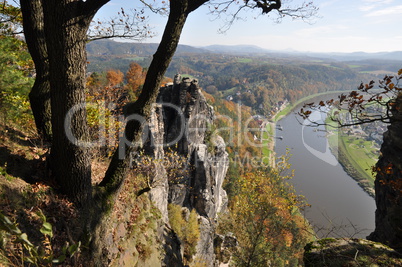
x=186 y=228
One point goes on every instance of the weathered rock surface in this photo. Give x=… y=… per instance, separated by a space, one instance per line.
x=180 y=125
x=388 y=184
x=138 y=233
x=349 y=252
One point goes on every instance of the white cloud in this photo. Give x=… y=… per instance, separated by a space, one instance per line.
x=366 y=8
x=373 y=4
x=378 y=2
x=393 y=10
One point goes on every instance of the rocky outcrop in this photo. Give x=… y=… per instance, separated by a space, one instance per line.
x=388 y=184
x=180 y=126
x=349 y=252
x=182 y=163
x=158 y=182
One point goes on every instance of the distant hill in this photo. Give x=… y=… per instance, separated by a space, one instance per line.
x=242 y=49
x=109 y=54
x=110 y=47
x=357 y=56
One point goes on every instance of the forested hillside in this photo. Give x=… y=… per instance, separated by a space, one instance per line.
x=259 y=80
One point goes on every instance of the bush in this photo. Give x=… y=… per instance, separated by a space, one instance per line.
x=186 y=227
x=15 y=82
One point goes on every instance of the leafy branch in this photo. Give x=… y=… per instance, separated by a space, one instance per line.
x=367 y=104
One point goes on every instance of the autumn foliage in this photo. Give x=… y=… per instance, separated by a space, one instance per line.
x=135 y=77
x=264 y=216
x=114 y=77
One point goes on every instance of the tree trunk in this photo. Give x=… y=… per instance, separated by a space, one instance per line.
x=388 y=184
x=115 y=175
x=35 y=37
x=66 y=26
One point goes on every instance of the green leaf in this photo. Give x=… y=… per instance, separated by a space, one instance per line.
x=29 y=260
x=64 y=249
x=47 y=229
x=41 y=215
x=24 y=238
x=59 y=260
x=34 y=251
x=73 y=248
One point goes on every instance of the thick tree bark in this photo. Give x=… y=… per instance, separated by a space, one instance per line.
x=35 y=37
x=388 y=184
x=115 y=175
x=66 y=25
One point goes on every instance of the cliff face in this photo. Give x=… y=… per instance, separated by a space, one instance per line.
x=388 y=184
x=183 y=164
x=180 y=127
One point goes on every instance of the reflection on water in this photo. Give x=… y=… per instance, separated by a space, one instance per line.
x=339 y=207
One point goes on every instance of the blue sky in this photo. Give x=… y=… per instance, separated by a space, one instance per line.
x=341 y=26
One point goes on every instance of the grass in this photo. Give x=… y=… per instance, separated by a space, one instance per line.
x=360 y=154
x=231 y=91
x=268 y=138
x=188 y=76
x=136 y=58
x=355 y=154
x=354 y=66
x=244 y=60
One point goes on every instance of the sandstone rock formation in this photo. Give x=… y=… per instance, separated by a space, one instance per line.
x=180 y=125
x=185 y=165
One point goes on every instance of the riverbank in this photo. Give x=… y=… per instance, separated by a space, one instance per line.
x=290 y=107
x=339 y=206
x=354 y=161
x=268 y=149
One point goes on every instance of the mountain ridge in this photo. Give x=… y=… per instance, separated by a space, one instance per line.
x=111 y=47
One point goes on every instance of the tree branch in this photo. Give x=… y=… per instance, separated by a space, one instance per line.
x=364 y=105
x=92 y=6
x=193 y=5
x=304 y=11
x=124 y=25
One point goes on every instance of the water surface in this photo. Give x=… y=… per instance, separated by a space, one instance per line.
x=339 y=206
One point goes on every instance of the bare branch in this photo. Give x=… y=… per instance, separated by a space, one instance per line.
x=161 y=10
x=232 y=10
x=129 y=26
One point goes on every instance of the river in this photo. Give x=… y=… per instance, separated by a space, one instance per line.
x=339 y=206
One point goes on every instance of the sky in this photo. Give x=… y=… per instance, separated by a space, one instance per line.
x=340 y=26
